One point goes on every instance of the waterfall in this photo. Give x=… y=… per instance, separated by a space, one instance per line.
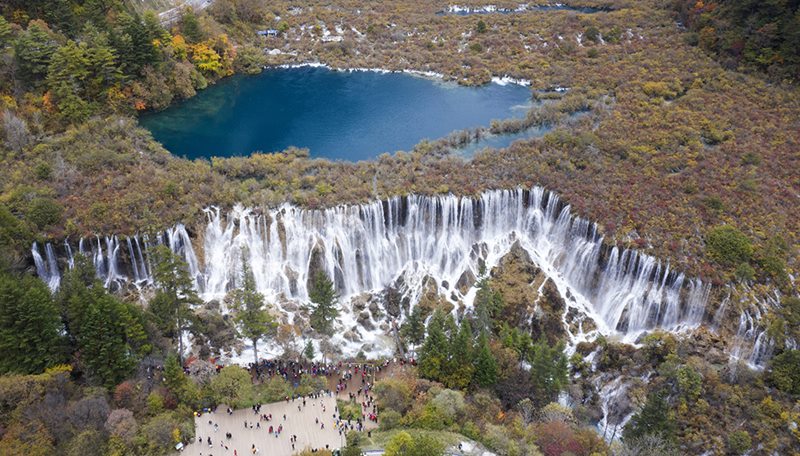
x=369 y=247
x=47 y=267
x=365 y=248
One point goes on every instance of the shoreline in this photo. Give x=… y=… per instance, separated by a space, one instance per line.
x=499 y=80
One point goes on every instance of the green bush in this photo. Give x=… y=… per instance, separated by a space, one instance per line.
x=44 y=212
x=745 y=272
x=592 y=34
x=728 y=246
x=348 y=410
x=784 y=372
x=739 y=442
x=389 y=420
x=233 y=386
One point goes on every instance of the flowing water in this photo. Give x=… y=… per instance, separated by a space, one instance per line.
x=367 y=248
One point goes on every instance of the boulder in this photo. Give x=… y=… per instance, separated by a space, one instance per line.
x=465 y=281
x=365 y=321
x=359 y=302
x=352 y=335
x=375 y=310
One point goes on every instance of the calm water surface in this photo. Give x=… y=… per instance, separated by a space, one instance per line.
x=336 y=115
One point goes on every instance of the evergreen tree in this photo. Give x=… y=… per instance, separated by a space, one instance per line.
x=253 y=318
x=459 y=365
x=172 y=304
x=103 y=341
x=134 y=44
x=308 y=351
x=104 y=73
x=179 y=383
x=433 y=354
x=485 y=364
x=655 y=418
x=33 y=50
x=106 y=333
x=413 y=329
x=190 y=27
x=549 y=373
x=5 y=32
x=73 y=297
x=324 y=298
x=488 y=305
x=30 y=328
x=69 y=68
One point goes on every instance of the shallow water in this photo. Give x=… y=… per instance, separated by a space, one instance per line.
x=336 y=115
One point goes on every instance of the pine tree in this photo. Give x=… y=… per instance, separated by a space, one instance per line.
x=488 y=304
x=172 y=304
x=134 y=44
x=33 y=50
x=413 y=329
x=433 y=354
x=104 y=73
x=103 y=343
x=179 y=383
x=30 y=328
x=66 y=76
x=485 y=364
x=655 y=418
x=106 y=333
x=190 y=27
x=549 y=372
x=324 y=298
x=459 y=365
x=308 y=351
x=5 y=32
x=253 y=318
x=73 y=297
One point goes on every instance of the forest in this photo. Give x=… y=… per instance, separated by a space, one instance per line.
x=689 y=151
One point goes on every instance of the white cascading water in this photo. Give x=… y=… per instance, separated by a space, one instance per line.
x=47 y=267
x=366 y=248
x=753 y=343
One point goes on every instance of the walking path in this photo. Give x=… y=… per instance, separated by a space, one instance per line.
x=306 y=424
x=309 y=422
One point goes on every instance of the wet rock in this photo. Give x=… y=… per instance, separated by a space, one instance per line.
x=293 y=277
x=316 y=264
x=478 y=254
x=352 y=335
x=704 y=344
x=392 y=301
x=365 y=321
x=375 y=310
x=359 y=302
x=465 y=281
x=551 y=298
x=430 y=298
x=290 y=306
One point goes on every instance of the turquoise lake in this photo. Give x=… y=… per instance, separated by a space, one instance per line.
x=336 y=115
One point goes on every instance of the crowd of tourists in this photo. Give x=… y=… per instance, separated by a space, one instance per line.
x=356 y=380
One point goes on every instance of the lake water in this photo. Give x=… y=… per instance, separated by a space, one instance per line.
x=336 y=115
